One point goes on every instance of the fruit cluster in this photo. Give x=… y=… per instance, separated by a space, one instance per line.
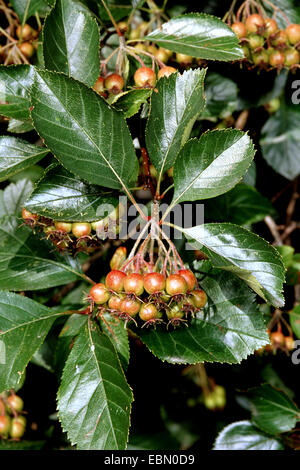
x=21 y=48
x=12 y=421
x=267 y=46
x=74 y=236
x=150 y=297
x=278 y=341
x=215 y=399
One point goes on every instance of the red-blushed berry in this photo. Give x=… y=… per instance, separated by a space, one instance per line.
x=240 y=29
x=199 y=298
x=254 y=23
x=99 y=86
x=81 y=229
x=65 y=227
x=289 y=343
x=293 y=33
x=166 y=71
x=154 y=283
x=5 y=424
x=292 y=57
x=114 y=83
x=189 y=277
x=176 y=285
x=15 y=403
x=17 y=428
x=277 y=339
x=256 y=41
x=149 y=312
x=130 y=306
x=271 y=27
x=26 y=33
x=27 y=49
x=144 y=77
x=279 y=39
x=115 y=280
x=118 y=257
x=134 y=284
x=99 y=294
x=114 y=302
x=277 y=59
x=29 y=216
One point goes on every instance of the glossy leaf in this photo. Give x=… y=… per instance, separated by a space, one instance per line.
x=272 y=410
x=231 y=328
x=94 y=398
x=71 y=41
x=295 y=320
x=114 y=328
x=243 y=435
x=198 y=35
x=12 y=198
x=118 y=8
x=130 y=102
x=74 y=121
x=60 y=195
x=16 y=155
x=243 y=205
x=15 y=84
x=280 y=140
x=244 y=253
x=19 y=127
x=221 y=96
x=211 y=165
x=27 y=8
x=24 y=325
x=286 y=9
x=175 y=106
x=27 y=263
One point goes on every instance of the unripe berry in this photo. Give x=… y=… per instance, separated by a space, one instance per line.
x=184 y=59
x=175 y=312
x=130 y=306
x=81 y=229
x=276 y=59
x=123 y=26
x=289 y=343
x=256 y=41
x=115 y=302
x=114 y=83
x=271 y=27
x=293 y=33
x=240 y=29
x=27 y=32
x=15 y=403
x=273 y=105
x=140 y=47
x=261 y=57
x=162 y=55
x=176 y=284
x=144 y=77
x=5 y=424
x=166 y=72
x=27 y=49
x=65 y=227
x=17 y=428
x=292 y=57
x=149 y=312
x=99 y=293
x=154 y=282
x=254 y=23
x=199 y=298
x=280 y=39
x=152 y=49
x=134 y=284
x=118 y=258
x=115 y=281
x=189 y=277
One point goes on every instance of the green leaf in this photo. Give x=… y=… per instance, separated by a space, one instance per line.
x=244 y=253
x=243 y=205
x=175 y=106
x=15 y=85
x=74 y=121
x=114 y=328
x=94 y=398
x=221 y=96
x=19 y=127
x=21 y=445
x=60 y=195
x=24 y=325
x=12 y=198
x=16 y=155
x=27 y=8
x=231 y=329
x=280 y=141
x=130 y=101
x=27 y=263
x=243 y=435
x=295 y=320
x=211 y=165
x=118 y=9
x=286 y=9
x=71 y=41
x=272 y=410
x=198 y=35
